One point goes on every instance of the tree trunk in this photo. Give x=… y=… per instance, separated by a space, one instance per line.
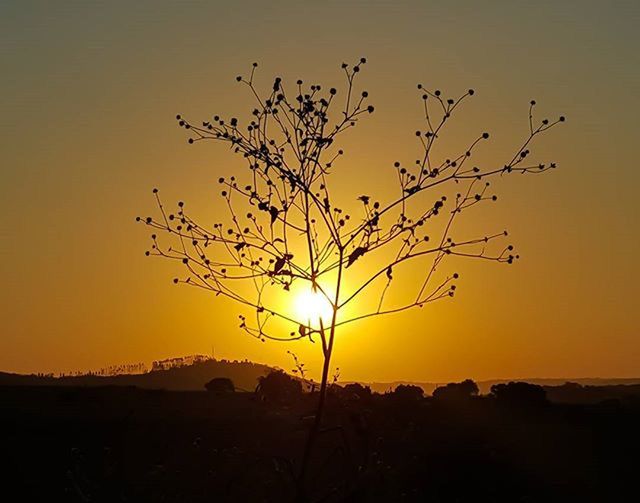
x=315 y=429
x=327 y=352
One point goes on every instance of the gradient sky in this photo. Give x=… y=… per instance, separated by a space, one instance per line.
x=89 y=92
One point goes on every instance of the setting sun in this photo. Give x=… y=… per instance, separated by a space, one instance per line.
x=311 y=306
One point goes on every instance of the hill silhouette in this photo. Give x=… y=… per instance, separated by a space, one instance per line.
x=192 y=377
x=193 y=372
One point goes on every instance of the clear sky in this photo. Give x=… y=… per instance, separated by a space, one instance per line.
x=89 y=92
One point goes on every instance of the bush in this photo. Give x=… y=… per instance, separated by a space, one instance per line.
x=278 y=387
x=220 y=385
x=356 y=391
x=456 y=391
x=407 y=393
x=519 y=393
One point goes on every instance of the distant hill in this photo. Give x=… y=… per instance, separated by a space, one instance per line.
x=180 y=378
x=245 y=374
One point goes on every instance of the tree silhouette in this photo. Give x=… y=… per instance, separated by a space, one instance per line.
x=455 y=391
x=279 y=387
x=519 y=393
x=220 y=385
x=285 y=227
x=407 y=393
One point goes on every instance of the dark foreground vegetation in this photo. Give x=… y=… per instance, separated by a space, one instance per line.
x=112 y=444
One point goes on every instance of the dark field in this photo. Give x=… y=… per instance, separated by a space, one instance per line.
x=116 y=444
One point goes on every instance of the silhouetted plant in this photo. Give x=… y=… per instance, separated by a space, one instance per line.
x=302 y=372
x=279 y=387
x=220 y=385
x=407 y=393
x=519 y=393
x=356 y=391
x=285 y=226
x=335 y=389
x=456 y=391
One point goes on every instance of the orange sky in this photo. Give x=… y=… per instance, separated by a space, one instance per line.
x=89 y=95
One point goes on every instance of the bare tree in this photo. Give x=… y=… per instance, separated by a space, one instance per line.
x=285 y=227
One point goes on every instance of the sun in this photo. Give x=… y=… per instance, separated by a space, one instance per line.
x=312 y=306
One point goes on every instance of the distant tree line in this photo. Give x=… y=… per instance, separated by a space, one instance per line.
x=181 y=361
x=278 y=387
x=111 y=370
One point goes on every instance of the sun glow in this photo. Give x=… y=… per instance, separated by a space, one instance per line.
x=312 y=306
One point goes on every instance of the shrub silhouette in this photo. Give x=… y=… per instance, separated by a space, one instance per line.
x=220 y=385
x=407 y=393
x=279 y=387
x=356 y=391
x=456 y=391
x=519 y=393
x=335 y=390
